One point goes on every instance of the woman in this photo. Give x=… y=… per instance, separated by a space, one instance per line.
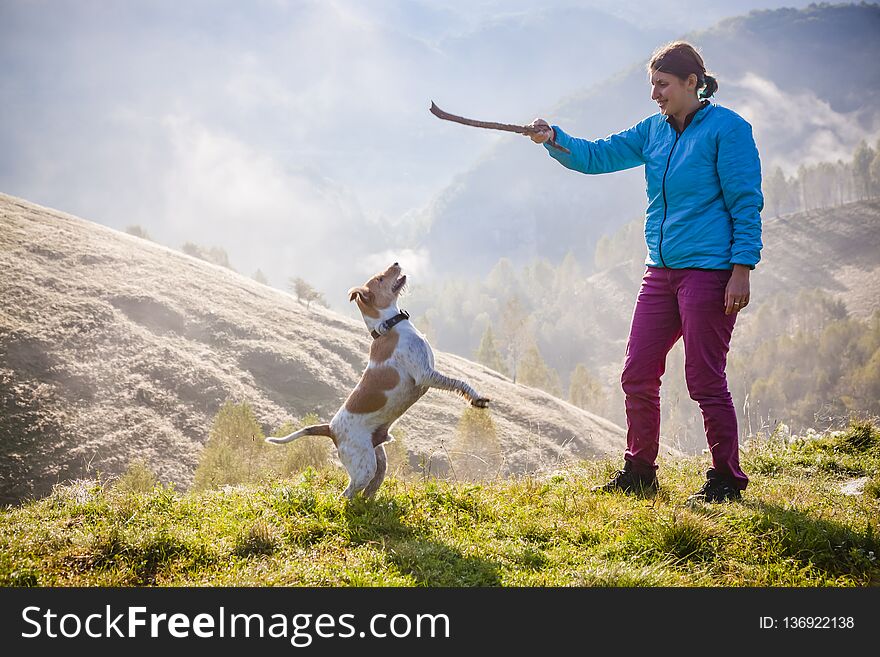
x=703 y=232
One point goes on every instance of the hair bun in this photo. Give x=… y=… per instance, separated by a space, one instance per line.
x=710 y=88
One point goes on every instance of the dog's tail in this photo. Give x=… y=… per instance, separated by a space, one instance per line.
x=313 y=430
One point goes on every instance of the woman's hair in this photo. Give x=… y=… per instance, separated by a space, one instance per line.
x=681 y=59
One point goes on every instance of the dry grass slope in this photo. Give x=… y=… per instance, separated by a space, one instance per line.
x=114 y=348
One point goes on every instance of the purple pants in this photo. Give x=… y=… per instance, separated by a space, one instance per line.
x=674 y=303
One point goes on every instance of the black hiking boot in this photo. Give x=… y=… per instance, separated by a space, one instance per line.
x=716 y=490
x=627 y=481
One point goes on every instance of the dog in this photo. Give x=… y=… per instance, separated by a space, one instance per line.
x=400 y=371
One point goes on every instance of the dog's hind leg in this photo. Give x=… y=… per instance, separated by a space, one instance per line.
x=360 y=461
x=381 y=467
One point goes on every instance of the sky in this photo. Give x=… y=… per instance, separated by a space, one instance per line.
x=295 y=135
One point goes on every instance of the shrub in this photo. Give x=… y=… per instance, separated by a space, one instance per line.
x=218 y=466
x=137 y=478
x=860 y=436
x=234 y=450
x=302 y=453
x=476 y=451
x=257 y=539
x=398 y=455
x=872 y=487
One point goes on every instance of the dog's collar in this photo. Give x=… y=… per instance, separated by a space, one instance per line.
x=386 y=326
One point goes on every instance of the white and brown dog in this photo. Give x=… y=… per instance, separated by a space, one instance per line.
x=400 y=371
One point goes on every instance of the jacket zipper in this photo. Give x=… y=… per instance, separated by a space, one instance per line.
x=665 y=204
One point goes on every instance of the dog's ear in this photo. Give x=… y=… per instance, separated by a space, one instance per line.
x=364 y=293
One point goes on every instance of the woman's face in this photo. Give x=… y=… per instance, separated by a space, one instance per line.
x=671 y=93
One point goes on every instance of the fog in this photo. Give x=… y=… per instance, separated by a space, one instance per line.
x=296 y=135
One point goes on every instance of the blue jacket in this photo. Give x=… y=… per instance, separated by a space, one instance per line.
x=703 y=184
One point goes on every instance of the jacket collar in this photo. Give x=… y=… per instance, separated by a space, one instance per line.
x=694 y=117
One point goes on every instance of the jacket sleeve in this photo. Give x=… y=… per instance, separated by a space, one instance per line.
x=617 y=152
x=739 y=171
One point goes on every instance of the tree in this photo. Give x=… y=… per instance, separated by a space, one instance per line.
x=218 y=256
x=875 y=174
x=536 y=373
x=802 y=175
x=138 y=231
x=862 y=160
x=626 y=245
x=568 y=275
x=584 y=391
x=776 y=190
x=844 y=182
x=502 y=277
x=300 y=288
x=305 y=292
x=538 y=279
x=864 y=384
x=603 y=254
x=260 y=277
x=514 y=331
x=194 y=250
x=488 y=355
x=825 y=183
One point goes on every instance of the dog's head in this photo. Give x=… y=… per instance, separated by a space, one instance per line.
x=380 y=292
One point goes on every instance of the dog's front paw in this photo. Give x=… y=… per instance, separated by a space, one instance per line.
x=480 y=402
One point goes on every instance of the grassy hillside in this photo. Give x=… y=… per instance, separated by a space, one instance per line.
x=811 y=517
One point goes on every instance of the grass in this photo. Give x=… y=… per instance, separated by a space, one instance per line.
x=795 y=527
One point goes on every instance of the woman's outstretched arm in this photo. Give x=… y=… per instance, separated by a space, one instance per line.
x=623 y=150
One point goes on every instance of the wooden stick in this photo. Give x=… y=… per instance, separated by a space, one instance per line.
x=491 y=125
